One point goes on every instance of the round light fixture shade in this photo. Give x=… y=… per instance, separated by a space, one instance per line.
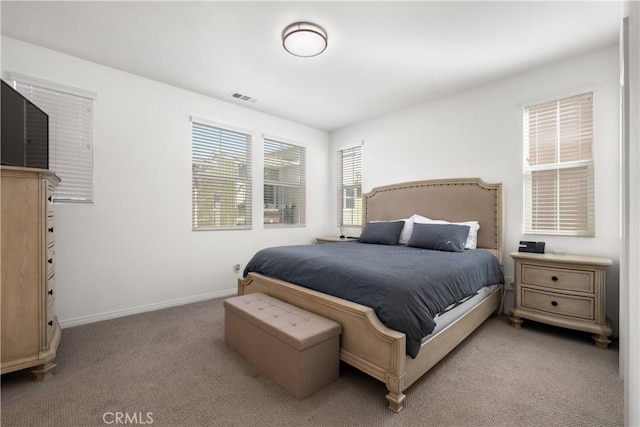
x=304 y=39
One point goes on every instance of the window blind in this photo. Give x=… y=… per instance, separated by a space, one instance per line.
x=221 y=178
x=558 y=167
x=284 y=183
x=350 y=186
x=70 y=138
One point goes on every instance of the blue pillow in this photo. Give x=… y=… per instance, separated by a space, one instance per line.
x=441 y=237
x=382 y=233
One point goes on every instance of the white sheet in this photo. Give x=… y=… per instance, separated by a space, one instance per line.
x=447 y=318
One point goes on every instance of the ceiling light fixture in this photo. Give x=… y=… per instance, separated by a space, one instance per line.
x=304 y=39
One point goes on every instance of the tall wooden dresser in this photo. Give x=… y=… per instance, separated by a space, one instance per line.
x=30 y=329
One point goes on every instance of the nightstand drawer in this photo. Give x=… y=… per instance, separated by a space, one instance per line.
x=573 y=306
x=558 y=278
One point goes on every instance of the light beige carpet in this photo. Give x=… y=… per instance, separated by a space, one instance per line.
x=174 y=364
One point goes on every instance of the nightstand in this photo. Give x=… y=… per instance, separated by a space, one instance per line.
x=335 y=239
x=562 y=290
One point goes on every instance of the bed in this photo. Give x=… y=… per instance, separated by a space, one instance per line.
x=366 y=343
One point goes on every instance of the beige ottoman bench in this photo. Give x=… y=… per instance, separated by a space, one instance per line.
x=297 y=349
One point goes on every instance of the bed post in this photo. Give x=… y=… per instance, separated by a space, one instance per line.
x=395 y=397
x=396 y=376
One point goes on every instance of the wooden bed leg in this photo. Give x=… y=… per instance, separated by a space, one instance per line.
x=396 y=400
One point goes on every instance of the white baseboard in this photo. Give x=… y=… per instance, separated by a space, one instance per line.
x=68 y=323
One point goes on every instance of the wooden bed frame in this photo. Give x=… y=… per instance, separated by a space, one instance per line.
x=366 y=343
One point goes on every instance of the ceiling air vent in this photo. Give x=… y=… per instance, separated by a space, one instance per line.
x=245 y=98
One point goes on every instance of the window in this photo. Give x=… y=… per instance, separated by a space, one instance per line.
x=70 y=114
x=221 y=178
x=558 y=167
x=350 y=186
x=284 y=183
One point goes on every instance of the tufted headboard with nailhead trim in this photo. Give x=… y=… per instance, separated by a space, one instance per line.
x=455 y=200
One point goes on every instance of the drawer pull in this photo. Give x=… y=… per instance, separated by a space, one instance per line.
x=50 y=292
x=50 y=322
x=554 y=278
x=49 y=199
x=50 y=229
x=554 y=303
x=50 y=260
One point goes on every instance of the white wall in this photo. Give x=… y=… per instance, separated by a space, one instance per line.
x=133 y=248
x=630 y=271
x=478 y=133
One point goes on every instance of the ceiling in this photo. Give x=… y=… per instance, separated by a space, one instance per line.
x=382 y=56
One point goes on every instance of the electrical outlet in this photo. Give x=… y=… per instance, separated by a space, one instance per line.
x=236 y=268
x=508 y=283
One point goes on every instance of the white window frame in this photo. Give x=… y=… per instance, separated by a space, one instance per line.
x=355 y=221
x=528 y=182
x=299 y=183
x=244 y=185
x=71 y=144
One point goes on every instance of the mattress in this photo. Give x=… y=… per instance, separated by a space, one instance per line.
x=448 y=317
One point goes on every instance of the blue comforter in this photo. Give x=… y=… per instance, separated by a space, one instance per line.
x=407 y=287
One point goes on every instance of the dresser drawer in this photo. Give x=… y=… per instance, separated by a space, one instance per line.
x=51 y=282
x=50 y=317
x=49 y=199
x=558 y=278
x=566 y=305
x=50 y=231
x=50 y=262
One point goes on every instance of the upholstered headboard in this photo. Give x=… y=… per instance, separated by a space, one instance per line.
x=456 y=200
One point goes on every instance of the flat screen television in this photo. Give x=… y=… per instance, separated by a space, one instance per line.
x=24 y=131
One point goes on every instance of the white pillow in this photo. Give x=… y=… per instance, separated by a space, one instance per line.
x=474 y=226
x=405 y=235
